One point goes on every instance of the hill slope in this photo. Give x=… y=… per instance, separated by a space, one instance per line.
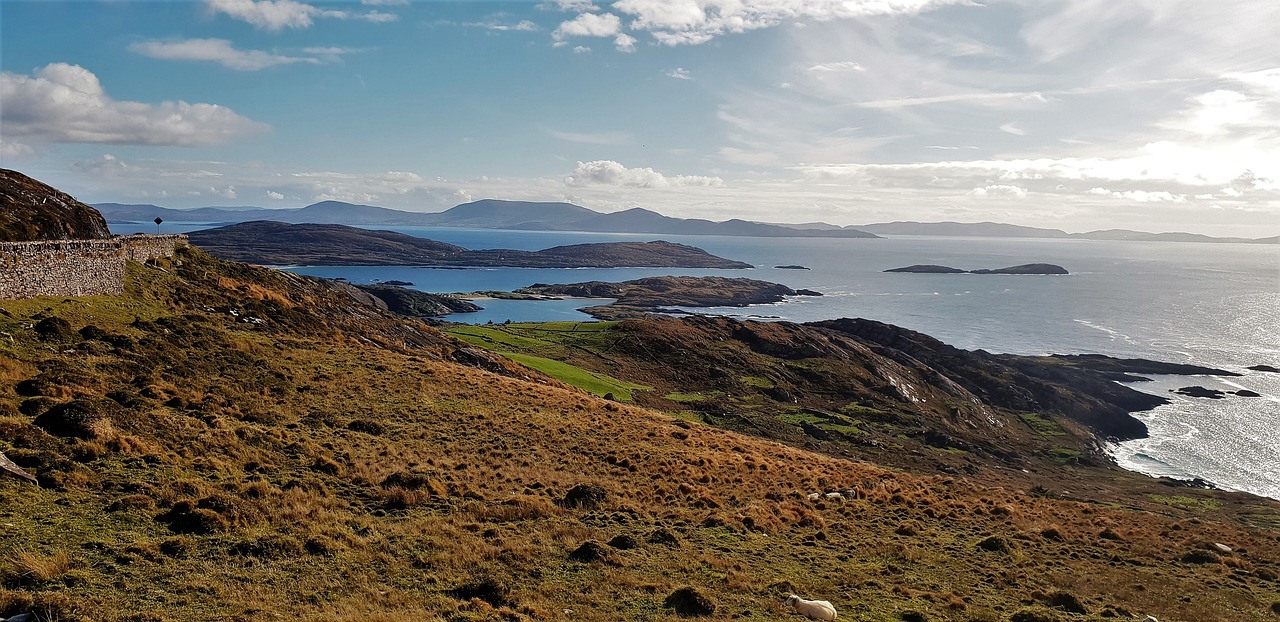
x=227 y=442
x=30 y=210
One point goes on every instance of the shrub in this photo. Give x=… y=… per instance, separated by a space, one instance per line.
x=185 y=517
x=486 y=589
x=79 y=418
x=689 y=602
x=587 y=496
x=54 y=329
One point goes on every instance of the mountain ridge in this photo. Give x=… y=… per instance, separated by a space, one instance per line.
x=481 y=214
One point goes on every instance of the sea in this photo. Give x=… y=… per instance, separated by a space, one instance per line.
x=1216 y=305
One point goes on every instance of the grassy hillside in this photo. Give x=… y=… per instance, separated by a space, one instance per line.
x=226 y=442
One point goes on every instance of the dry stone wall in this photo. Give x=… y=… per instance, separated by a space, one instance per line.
x=76 y=267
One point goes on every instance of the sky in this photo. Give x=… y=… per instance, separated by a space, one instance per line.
x=1156 y=115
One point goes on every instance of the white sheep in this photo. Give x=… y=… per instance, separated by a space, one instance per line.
x=812 y=609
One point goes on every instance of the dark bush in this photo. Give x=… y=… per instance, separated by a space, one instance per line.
x=586 y=496
x=486 y=589
x=1067 y=602
x=41 y=385
x=623 y=542
x=79 y=418
x=366 y=426
x=590 y=551
x=92 y=332
x=995 y=544
x=663 y=536
x=689 y=602
x=185 y=517
x=1200 y=557
x=55 y=329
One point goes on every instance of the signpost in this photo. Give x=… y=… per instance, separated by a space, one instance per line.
x=158 y=221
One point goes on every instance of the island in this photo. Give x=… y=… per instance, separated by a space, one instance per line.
x=642 y=297
x=1029 y=268
x=791 y=267
x=281 y=244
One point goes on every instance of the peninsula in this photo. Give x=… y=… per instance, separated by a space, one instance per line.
x=278 y=243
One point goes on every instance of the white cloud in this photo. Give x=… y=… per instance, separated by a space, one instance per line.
x=1218 y=111
x=276 y=15
x=273 y=15
x=691 y=23
x=1010 y=128
x=216 y=51
x=385 y=2
x=581 y=49
x=624 y=42
x=577 y=6
x=274 y=196
x=10 y=150
x=588 y=25
x=67 y=104
x=1000 y=191
x=679 y=73
x=610 y=173
x=837 y=67
x=521 y=26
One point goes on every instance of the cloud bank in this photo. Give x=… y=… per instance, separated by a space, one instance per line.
x=65 y=103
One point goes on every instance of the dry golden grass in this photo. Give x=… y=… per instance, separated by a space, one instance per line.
x=28 y=568
x=450 y=507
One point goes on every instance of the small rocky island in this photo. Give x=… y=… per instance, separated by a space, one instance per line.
x=1028 y=268
x=283 y=244
x=644 y=296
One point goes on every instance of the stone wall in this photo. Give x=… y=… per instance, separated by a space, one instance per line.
x=76 y=267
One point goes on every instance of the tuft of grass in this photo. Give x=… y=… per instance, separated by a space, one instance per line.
x=27 y=568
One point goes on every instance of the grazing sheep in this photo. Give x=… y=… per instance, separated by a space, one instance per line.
x=812 y=609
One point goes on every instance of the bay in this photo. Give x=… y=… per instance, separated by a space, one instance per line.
x=1208 y=304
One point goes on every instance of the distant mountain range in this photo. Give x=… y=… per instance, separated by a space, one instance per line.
x=1001 y=230
x=551 y=216
x=484 y=214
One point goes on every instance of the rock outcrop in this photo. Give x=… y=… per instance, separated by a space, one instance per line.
x=33 y=211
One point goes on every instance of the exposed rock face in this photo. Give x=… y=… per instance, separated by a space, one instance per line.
x=31 y=211
x=415 y=303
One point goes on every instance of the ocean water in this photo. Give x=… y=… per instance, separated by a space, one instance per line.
x=1209 y=304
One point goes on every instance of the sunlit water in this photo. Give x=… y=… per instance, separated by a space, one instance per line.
x=1209 y=304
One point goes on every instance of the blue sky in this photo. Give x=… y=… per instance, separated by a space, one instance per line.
x=1082 y=114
